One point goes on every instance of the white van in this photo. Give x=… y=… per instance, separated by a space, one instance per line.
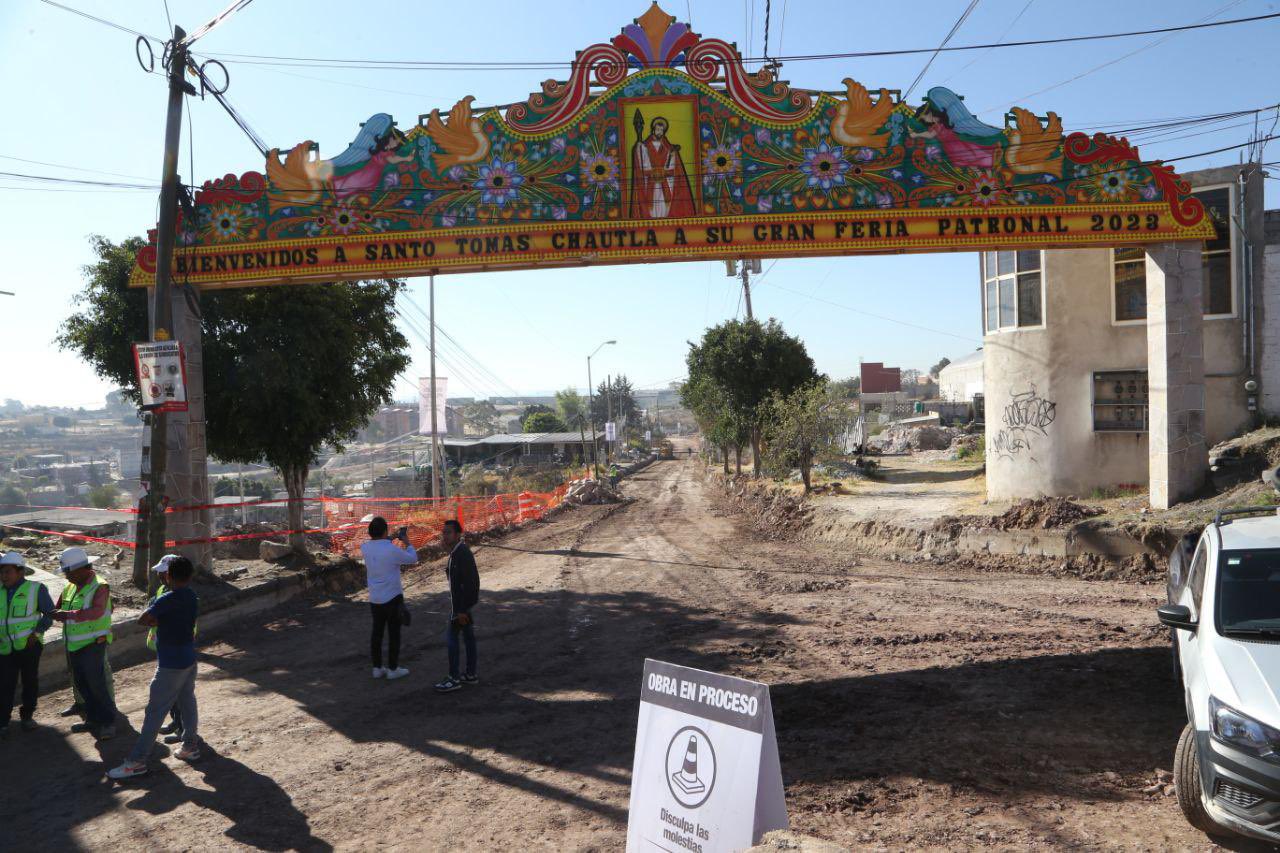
x=1224 y=609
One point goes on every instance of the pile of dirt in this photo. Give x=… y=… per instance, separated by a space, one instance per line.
x=916 y=438
x=774 y=511
x=1043 y=513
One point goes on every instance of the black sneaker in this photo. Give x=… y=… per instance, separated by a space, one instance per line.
x=71 y=711
x=81 y=727
x=448 y=686
x=470 y=679
x=169 y=728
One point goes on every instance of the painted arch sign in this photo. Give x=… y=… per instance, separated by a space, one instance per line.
x=661 y=146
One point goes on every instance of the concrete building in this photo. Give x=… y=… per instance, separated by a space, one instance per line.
x=961 y=380
x=1096 y=373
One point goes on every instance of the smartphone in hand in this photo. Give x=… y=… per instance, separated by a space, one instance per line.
x=403 y=534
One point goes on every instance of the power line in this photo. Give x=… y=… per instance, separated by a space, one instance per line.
x=217 y=21
x=964 y=16
x=999 y=40
x=103 y=21
x=72 y=168
x=477 y=65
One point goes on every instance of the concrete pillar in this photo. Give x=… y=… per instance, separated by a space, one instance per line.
x=188 y=459
x=1177 y=456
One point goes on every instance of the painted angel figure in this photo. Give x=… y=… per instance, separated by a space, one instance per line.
x=372 y=151
x=659 y=183
x=965 y=140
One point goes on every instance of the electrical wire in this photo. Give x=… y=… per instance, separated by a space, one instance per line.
x=487 y=65
x=999 y=40
x=72 y=168
x=955 y=28
x=103 y=21
x=217 y=21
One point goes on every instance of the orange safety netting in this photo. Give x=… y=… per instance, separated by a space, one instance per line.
x=346 y=519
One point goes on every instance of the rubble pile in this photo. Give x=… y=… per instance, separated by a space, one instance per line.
x=1042 y=513
x=907 y=439
x=582 y=492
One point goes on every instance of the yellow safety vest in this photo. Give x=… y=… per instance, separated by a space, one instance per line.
x=151 y=632
x=80 y=634
x=20 y=618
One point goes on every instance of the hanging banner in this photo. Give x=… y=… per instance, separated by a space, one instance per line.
x=610 y=431
x=424 y=404
x=662 y=146
x=162 y=376
x=706 y=775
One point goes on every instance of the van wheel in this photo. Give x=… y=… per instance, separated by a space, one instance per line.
x=1186 y=780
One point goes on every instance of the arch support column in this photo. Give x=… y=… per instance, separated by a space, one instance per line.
x=1177 y=455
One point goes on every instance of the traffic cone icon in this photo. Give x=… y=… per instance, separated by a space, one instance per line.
x=687 y=776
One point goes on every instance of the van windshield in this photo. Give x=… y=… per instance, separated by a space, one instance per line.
x=1249 y=593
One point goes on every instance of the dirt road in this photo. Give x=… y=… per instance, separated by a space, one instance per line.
x=916 y=706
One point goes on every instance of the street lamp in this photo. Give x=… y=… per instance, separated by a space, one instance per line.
x=591 y=399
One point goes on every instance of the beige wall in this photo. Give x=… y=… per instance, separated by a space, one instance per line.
x=1038 y=382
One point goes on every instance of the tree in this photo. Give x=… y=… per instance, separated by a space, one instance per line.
x=482 y=415
x=543 y=422
x=570 y=406
x=535 y=408
x=937 y=368
x=716 y=419
x=61 y=421
x=803 y=425
x=12 y=496
x=617 y=396
x=104 y=496
x=747 y=362
x=287 y=371
x=848 y=388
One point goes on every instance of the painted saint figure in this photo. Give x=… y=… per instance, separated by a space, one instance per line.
x=966 y=140
x=659 y=183
x=372 y=151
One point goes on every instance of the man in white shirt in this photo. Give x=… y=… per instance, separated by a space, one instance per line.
x=383 y=562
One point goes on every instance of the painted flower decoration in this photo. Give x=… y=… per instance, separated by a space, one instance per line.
x=721 y=160
x=344 y=221
x=985 y=190
x=1114 y=183
x=825 y=165
x=600 y=169
x=225 y=222
x=498 y=181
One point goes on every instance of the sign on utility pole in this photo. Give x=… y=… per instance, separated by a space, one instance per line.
x=706 y=775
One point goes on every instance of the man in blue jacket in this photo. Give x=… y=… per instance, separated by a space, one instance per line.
x=464 y=593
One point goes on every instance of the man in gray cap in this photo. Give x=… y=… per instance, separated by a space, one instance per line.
x=26 y=612
x=85 y=611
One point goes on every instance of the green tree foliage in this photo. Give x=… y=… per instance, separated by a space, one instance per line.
x=615 y=394
x=535 y=408
x=716 y=419
x=571 y=407
x=104 y=496
x=286 y=370
x=61 y=421
x=12 y=496
x=802 y=426
x=228 y=486
x=543 y=422
x=937 y=368
x=848 y=388
x=747 y=362
x=481 y=415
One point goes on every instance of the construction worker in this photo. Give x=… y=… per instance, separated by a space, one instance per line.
x=84 y=608
x=172 y=730
x=27 y=612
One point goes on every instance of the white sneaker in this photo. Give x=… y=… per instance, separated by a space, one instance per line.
x=399 y=672
x=379 y=672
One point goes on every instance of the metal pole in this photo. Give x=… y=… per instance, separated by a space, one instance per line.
x=746 y=286
x=162 y=309
x=243 y=509
x=591 y=413
x=608 y=407
x=435 y=453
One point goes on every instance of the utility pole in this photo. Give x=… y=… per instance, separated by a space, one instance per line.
x=435 y=452
x=746 y=286
x=608 y=406
x=240 y=473
x=162 y=309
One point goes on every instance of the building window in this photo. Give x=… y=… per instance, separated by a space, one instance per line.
x=1129 y=284
x=1120 y=401
x=1218 y=290
x=1012 y=290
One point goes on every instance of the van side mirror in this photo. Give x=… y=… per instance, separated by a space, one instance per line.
x=1176 y=616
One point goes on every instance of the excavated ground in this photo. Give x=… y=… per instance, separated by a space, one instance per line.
x=918 y=706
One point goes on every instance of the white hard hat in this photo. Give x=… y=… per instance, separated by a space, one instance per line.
x=74 y=558
x=163 y=566
x=13 y=558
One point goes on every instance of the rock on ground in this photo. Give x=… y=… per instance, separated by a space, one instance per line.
x=271 y=551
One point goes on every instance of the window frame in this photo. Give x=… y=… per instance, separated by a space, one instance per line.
x=1233 y=246
x=1012 y=278
x=1141 y=321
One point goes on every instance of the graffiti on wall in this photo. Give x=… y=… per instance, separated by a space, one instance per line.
x=1026 y=416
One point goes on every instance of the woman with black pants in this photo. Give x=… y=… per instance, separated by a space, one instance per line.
x=383 y=562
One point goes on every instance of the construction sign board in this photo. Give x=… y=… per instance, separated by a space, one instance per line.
x=706 y=775
x=663 y=146
x=162 y=376
x=425 y=400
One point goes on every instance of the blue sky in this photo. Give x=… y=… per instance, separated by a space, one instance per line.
x=74 y=95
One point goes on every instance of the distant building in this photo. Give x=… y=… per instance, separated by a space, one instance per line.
x=961 y=380
x=878 y=379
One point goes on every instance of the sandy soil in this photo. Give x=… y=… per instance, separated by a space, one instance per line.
x=917 y=706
